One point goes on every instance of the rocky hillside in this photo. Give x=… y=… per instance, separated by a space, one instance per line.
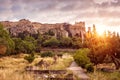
x=59 y=29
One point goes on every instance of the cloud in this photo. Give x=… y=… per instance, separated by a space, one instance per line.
x=108 y=3
x=105 y=12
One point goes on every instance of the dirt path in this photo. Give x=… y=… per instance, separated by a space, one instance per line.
x=78 y=71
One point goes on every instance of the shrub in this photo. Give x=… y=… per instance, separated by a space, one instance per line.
x=47 y=54
x=65 y=42
x=25 y=46
x=77 y=42
x=89 y=67
x=50 y=32
x=81 y=58
x=60 y=54
x=52 y=42
x=30 y=58
x=3 y=49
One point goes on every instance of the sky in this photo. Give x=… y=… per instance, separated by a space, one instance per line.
x=105 y=14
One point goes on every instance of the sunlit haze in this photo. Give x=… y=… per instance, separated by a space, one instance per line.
x=105 y=14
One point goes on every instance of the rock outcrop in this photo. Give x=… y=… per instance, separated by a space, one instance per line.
x=59 y=29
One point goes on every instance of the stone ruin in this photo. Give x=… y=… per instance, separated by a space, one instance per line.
x=59 y=29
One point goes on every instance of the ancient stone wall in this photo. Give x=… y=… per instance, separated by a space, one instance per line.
x=60 y=29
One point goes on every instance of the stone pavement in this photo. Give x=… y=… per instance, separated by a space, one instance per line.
x=78 y=71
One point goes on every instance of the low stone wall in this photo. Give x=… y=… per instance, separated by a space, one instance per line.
x=51 y=74
x=58 y=50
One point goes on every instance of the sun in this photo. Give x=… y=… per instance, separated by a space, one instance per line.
x=100 y=30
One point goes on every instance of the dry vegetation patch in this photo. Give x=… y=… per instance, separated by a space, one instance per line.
x=13 y=67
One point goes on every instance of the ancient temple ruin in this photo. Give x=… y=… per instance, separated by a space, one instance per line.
x=59 y=29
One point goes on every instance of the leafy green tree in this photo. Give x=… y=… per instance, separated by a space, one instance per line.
x=107 y=46
x=40 y=41
x=19 y=45
x=52 y=42
x=65 y=42
x=98 y=52
x=114 y=48
x=98 y=47
x=77 y=42
x=30 y=39
x=6 y=40
x=81 y=57
x=50 y=32
x=28 y=45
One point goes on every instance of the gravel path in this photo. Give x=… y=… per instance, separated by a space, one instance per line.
x=78 y=71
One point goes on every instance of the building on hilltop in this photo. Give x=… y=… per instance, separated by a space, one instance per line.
x=78 y=29
x=59 y=29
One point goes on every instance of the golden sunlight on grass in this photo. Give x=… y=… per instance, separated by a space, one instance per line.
x=10 y=74
x=13 y=67
x=98 y=75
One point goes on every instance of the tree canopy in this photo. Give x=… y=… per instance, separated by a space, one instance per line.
x=6 y=41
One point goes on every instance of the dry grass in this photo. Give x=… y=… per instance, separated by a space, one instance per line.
x=13 y=63
x=98 y=75
x=62 y=63
x=12 y=68
x=10 y=74
x=103 y=75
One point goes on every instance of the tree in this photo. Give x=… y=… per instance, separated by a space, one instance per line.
x=30 y=39
x=19 y=45
x=23 y=34
x=114 y=48
x=77 y=42
x=52 y=42
x=98 y=53
x=82 y=59
x=28 y=45
x=50 y=32
x=65 y=42
x=104 y=47
x=6 y=41
x=40 y=41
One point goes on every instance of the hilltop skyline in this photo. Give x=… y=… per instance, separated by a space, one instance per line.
x=103 y=13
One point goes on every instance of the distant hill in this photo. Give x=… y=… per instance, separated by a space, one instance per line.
x=59 y=29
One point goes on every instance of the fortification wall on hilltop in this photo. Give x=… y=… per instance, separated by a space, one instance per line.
x=60 y=29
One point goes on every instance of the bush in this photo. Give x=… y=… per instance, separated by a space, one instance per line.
x=3 y=49
x=65 y=42
x=52 y=42
x=77 y=43
x=89 y=67
x=81 y=58
x=25 y=46
x=60 y=54
x=47 y=54
x=30 y=58
x=50 y=32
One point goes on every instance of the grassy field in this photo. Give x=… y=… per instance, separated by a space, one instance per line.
x=13 y=67
x=98 y=75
